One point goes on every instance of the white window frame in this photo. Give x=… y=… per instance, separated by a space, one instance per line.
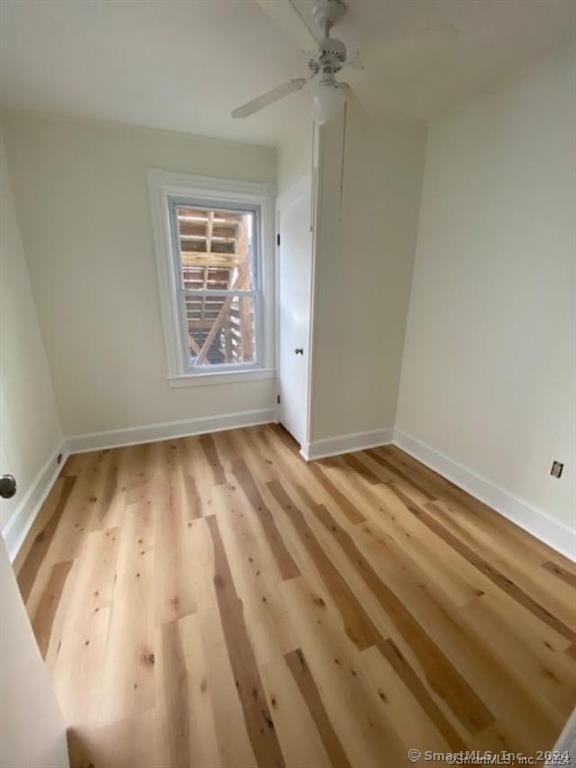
x=165 y=187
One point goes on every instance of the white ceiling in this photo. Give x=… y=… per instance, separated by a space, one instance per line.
x=185 y=64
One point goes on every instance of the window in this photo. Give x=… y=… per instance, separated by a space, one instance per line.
x=218 y=284
x=214 y=252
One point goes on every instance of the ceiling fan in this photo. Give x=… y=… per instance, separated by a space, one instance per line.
x=424 y=44
x=329 y=94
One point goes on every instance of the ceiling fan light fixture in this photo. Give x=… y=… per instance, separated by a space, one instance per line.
x=328 y=100
x=328 y=96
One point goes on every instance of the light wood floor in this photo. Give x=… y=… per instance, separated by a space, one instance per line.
x=217 y=602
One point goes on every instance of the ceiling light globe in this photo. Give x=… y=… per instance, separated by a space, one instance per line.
x=328 y=100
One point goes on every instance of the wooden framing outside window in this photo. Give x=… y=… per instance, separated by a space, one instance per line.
x=219 y=293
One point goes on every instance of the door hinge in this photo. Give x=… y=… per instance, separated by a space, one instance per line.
x=278 y=399
x=278 y=239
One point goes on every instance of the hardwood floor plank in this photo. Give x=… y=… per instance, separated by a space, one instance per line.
x=360 y=468
x=56 y=502
x=259 y=722
x=78 y=661
x=80 y=515
x=194 y=463
x=192 y=497
x=284 y=559
x=396 y=695
x=301 y=740
x=309 y=690
x=173 y=591
x=562 y=573
x=128 y=674
x=174 y=676
x=406 y=673
x=207 y=443
x=253 y=566
x=350 y=510
x=48 y=605
x=392 y=471
x=108 y=494
x=202 y=748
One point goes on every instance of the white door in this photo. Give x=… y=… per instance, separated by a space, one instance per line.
x=294 y=212
x=32 y=732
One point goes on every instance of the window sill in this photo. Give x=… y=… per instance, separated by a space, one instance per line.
x=220 y=377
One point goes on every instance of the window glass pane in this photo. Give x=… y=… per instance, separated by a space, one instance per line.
x=216 y=249
x=221 y=329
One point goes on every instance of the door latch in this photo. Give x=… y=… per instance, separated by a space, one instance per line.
x=299 y=351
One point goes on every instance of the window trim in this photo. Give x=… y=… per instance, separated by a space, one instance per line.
x=165 y=187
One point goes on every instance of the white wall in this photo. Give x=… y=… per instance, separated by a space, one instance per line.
x=29 y=426
x=81 y=193
x=489 y=370
x=32 y=733
x=295 y=145
x=366 y=238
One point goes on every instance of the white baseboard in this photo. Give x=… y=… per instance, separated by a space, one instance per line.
x=357 y=441
x=21 y=520
x=116 y=438
x=552 y=532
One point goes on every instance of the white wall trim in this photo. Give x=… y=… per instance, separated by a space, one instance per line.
x=222 y=377
x=357 y=441
x=536 y=522
x=312 y=330
x=22 y=519
x=116 y=438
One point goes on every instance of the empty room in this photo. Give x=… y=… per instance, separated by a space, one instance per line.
x=287 y=383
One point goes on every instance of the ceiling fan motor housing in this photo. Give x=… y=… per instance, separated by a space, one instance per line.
x=332 y=55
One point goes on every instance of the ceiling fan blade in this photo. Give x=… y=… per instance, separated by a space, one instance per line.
x=270 y=97
x=286 y=14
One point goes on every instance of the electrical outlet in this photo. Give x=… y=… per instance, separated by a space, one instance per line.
x=557 y=468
